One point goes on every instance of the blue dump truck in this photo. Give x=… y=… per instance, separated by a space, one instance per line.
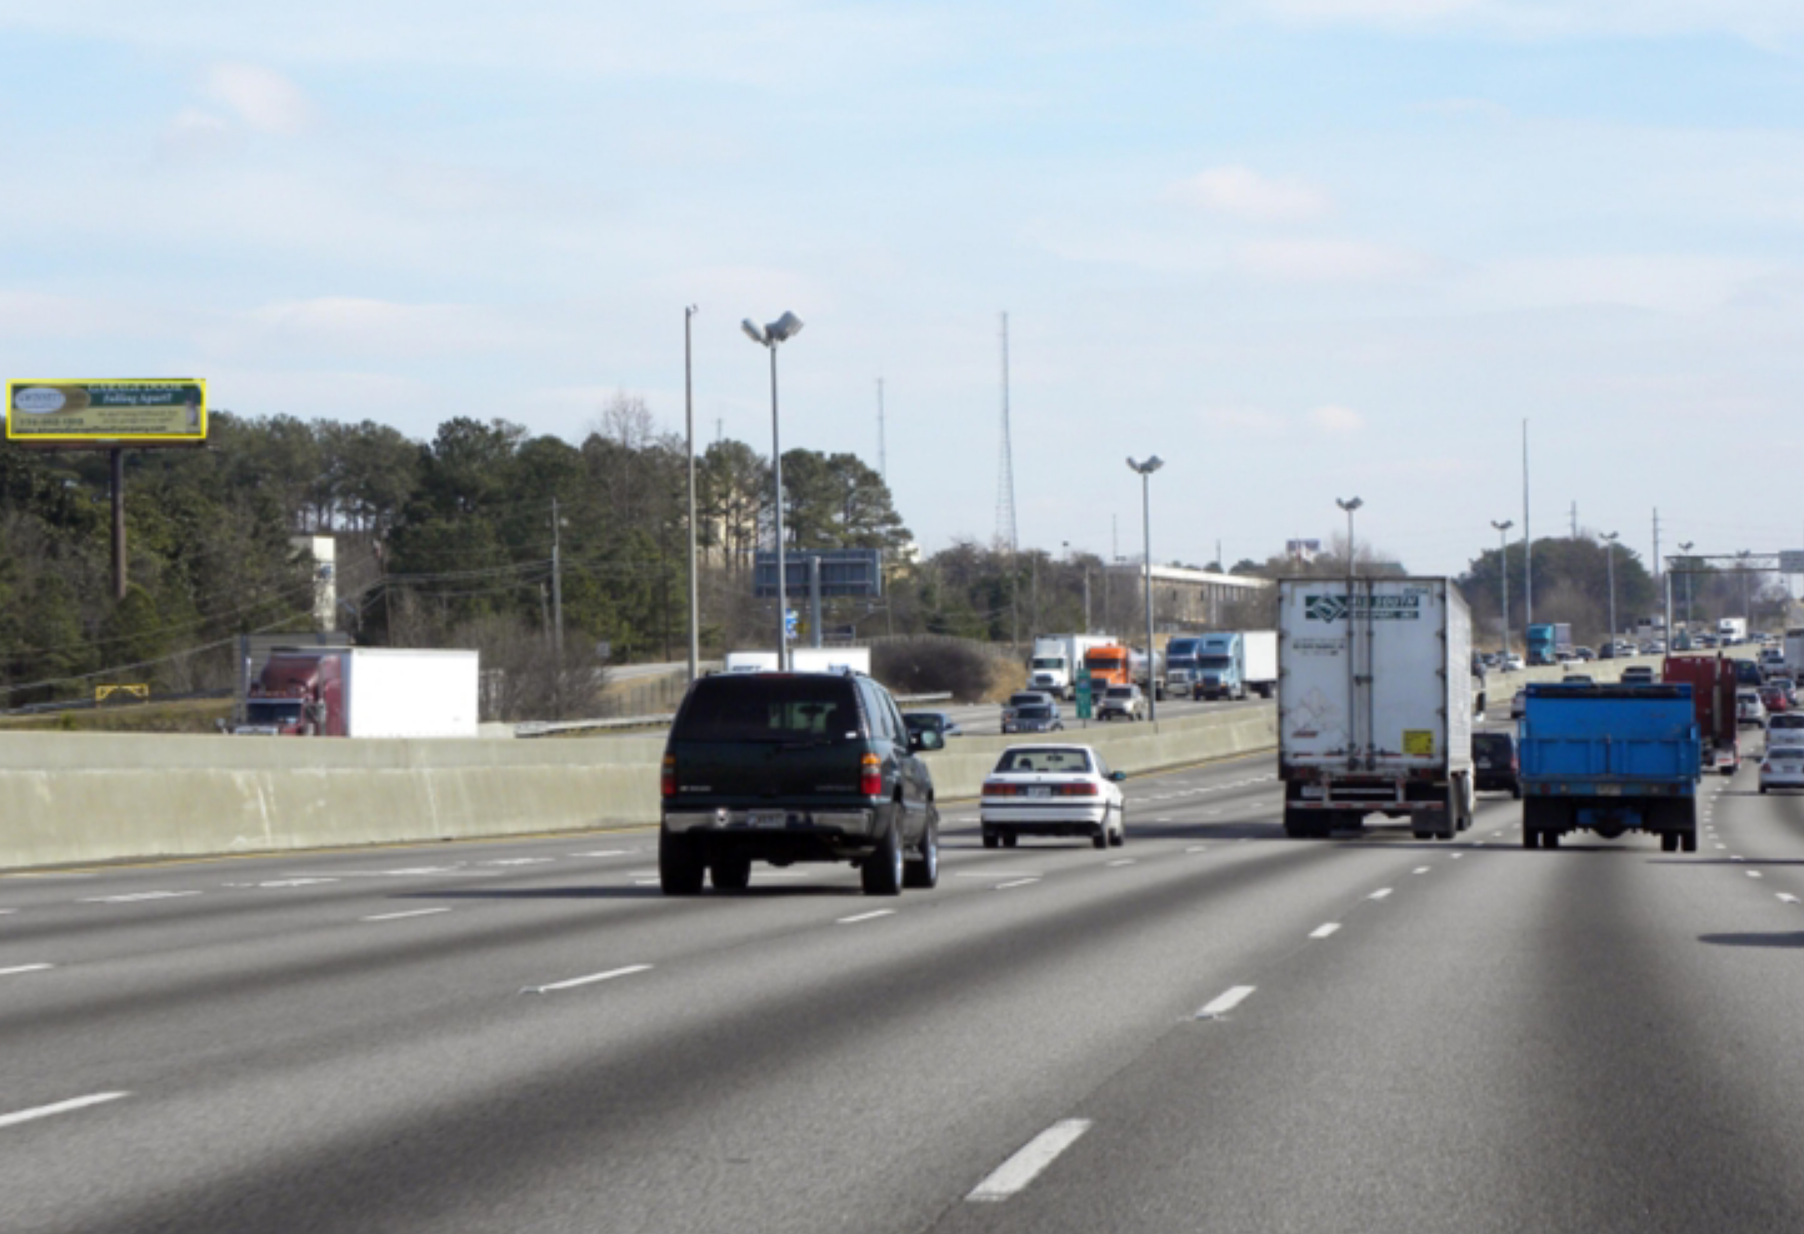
x=1610 y=759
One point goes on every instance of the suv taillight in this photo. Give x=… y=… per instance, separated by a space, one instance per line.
x=667 y=776
x=870 y=776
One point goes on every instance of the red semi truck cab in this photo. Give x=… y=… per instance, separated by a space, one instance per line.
x=298 y=694
x=1712 y=680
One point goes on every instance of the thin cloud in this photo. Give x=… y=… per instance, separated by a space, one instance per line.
x=1244 y=193
x=1326 y=261
x=1336 y=420
x=264 y=101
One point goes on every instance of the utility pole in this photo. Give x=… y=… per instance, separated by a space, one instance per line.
x=882 y=451
x=1528 y=544
x=1575 y=520
x=1657 y=590
x=1685 y=546
x=1609 y=539
x=1503 y=571
x=695 y=602
x=557 y=589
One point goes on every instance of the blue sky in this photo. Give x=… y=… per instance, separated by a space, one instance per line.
x=1299 y=248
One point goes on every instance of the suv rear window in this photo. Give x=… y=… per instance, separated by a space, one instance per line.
x=770 y=707
x=1493 y=745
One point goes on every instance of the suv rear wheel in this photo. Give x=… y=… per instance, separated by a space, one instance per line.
x=923 y=869
x=883 y=868
x=680 y=865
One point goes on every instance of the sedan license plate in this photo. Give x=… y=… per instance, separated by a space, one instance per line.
x=1039 y=790
x=1609 y=790
x=768 y=818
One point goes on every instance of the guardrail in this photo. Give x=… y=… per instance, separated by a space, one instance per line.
x=545 y=728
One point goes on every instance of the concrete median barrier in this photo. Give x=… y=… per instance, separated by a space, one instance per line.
x=81 y=798
x=72 y=798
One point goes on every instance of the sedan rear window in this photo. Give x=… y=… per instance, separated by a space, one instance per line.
x=1067 y=761
x=769 y=707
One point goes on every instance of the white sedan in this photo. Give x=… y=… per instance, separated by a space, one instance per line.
x=1783 y=767
x=1052 y=790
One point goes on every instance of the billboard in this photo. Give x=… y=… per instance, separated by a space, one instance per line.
x=167 y=411
x=844 y=572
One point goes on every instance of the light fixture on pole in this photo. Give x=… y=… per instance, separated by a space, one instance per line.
x=1609 y=539
x=1349 y=506
x=781 y=330
x=1686 y=548
x=1503 y=572
x=1146 y=470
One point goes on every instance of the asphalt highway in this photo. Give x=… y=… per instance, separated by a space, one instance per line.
x=1213 y=1028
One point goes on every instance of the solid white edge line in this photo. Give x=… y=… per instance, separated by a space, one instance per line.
x=571 y=984
x=61 y=1107
x=1225 y=1002
x=871 y=916
x=1323 y=931
x=25 y=968
x=1380 y=894
x=1027 y=1164
x=412 y=912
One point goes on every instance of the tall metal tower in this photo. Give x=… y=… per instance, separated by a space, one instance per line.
x=1005 y=483
x=882 y=450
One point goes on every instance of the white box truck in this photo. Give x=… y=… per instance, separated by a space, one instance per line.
x=1057 y=659
x=1374 y=704
x=364 y=692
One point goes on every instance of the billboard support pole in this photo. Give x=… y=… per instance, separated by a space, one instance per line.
x=118 y=523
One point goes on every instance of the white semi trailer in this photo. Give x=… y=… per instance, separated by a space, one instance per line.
x=1374 y=704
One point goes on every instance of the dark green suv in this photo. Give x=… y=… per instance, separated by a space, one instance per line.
x=788 y=767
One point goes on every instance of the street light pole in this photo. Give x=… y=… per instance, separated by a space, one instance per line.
x=1146 y=470
x=780 y=330
x=1609 y=539
x=1686 y=548
x=1349 y=506
x=695 y=603
x=1503 y=571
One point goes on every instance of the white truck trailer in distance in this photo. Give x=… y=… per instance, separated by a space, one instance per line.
x=803 y=660
x=1057 y=660
x=1374 y=704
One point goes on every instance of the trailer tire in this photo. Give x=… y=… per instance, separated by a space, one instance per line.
x=1688 y=841
x=1550 y=839
x=1669 y=841
x=1530 y=838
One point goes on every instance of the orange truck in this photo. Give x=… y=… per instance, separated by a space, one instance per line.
x=1116 y=665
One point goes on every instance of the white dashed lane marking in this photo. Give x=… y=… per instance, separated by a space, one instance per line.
x=591 y=979
x=1380 y=894
x=1323 y=931
x=25 y=968
x=412 y=912
x=870 y=916
x=1018 y=1171
x=1224 y=1003
x=61 y=1107
x=138 y=896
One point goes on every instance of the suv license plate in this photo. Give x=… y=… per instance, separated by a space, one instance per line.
x=1039 y=790
x=768 y=818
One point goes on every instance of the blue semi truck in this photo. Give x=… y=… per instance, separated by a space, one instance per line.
x=1610 y=759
